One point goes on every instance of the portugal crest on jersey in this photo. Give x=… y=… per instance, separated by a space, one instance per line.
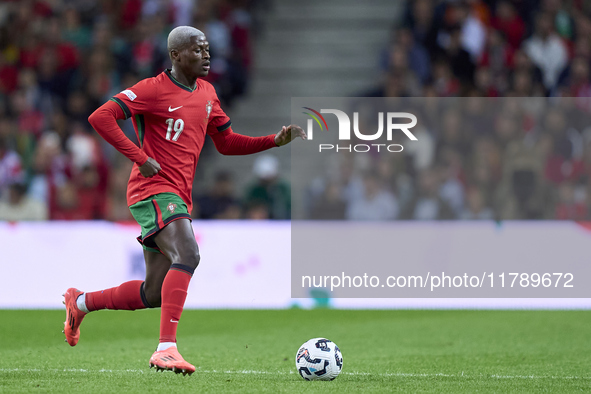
x=208 y=108
x=171 y=207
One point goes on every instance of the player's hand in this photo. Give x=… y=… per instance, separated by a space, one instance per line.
x=150 y=168
x=288 y=134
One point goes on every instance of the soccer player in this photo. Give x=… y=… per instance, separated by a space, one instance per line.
x=171 y=113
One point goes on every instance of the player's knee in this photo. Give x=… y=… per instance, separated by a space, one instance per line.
x=191 y=259
x=187 y=255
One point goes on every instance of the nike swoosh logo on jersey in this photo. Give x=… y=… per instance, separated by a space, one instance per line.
x=174 y=321
x=170 y=109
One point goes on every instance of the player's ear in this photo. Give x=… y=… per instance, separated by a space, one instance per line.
x=175 y=54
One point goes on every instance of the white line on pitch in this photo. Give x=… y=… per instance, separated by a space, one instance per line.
x=252 y=372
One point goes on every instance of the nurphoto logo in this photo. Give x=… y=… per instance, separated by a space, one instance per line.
x=344 y=132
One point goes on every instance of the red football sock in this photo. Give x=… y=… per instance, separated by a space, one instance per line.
x=174 y=293
x=127 y=296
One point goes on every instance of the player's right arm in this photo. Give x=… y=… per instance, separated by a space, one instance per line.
x=104 y=121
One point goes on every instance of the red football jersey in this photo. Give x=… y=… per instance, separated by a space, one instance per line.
x=171 y=121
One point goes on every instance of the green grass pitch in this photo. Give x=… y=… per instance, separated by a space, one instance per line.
x=253 y=351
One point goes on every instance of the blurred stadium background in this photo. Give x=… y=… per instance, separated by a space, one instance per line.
x=60 y=59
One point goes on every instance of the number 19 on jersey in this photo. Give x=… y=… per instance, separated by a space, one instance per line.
x=176 y=125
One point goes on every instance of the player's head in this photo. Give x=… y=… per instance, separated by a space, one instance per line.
x=189 y=51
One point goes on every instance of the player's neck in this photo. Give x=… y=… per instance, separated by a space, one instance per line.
x=181 y=78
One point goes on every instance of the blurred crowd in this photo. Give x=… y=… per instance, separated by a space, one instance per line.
x=489 y=48
x=268 y=196
x=475 y=159
x=494 y=153
x=60 y=60
x=485 y=156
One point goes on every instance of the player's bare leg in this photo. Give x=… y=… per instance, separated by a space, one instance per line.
x=177 y=242
x=157 y=266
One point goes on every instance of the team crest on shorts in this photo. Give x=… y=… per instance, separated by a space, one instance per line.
x=171 y=207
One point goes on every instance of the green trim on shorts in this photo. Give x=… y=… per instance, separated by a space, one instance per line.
x=154 y=213
x=148 y=249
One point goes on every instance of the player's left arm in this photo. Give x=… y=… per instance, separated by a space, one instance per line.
x=229 y=143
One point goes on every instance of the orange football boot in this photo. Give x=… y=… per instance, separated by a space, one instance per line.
x=171 y=360
x=74 y=316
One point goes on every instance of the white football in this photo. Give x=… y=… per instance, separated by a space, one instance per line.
x=319 y=359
